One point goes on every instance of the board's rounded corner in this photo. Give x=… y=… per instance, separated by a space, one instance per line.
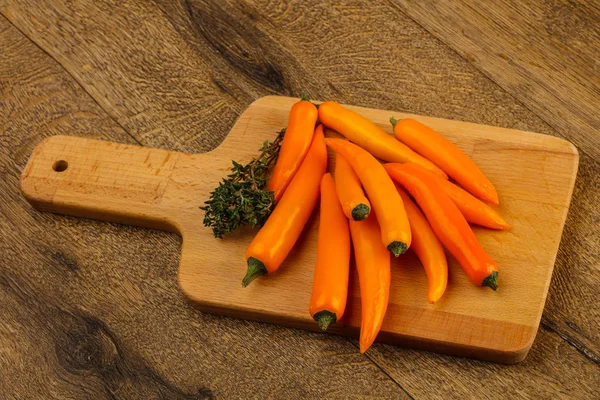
x=35 y=196
x=565 y=146
x=38 y=195
x=572 y=148
x=239 y=129
x=263 y=99
x=519 y=351
x=575 y=152
x=184 y=285
x=54 y=138
x=268 y=100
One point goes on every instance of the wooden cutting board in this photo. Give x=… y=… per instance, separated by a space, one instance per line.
x=534 y=175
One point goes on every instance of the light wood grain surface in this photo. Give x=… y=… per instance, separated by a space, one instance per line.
x=92 y=310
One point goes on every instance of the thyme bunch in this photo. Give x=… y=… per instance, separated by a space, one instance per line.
x=242 y=198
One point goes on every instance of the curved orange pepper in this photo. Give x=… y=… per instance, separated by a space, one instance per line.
x=369 y=136
x=428 y=248
x=474 y=210
x=448 y=223
x=445 y=155
x=298 y=135
x=276 y=238
x=386 y=202
x=330 y=281
x=355 y=204
x=373 y=266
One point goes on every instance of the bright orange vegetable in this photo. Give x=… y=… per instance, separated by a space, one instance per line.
x=279 y=234
x=386 y=202
x=369 y=136
x=448 y=223
x=330 y=281
x=355 y=204
x=298 y=135
x=474 y=210
x=428 y=248
x=373 y=266
x=445 y=155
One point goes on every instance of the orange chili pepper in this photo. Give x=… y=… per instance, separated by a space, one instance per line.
x=474 y=210
x=387 y=204
x=281 y=231
x=445 y=155
x=355 y=204
x=298 y=135
x=369 y=136
x=373 y=266
x=428 y=248
x=448 y=223
x=330 y=281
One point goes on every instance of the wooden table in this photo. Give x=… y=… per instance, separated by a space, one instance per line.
x=92 y=309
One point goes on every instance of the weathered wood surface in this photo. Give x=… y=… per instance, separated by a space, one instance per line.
x=92 y=310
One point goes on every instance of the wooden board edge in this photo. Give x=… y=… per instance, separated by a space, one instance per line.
x=512 y=354
x=40 y=200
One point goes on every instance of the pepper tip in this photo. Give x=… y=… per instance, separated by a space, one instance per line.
x=397 y=248
x=256 y=268
x=324 y=319
x=491 y=280
x=364 y=345
x=360 y=212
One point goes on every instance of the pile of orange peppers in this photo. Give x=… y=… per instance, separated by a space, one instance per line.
x=381 y=209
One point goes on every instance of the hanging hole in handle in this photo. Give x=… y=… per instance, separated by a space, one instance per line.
x=60 y=165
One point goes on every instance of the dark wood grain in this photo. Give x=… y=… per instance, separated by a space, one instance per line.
x=92 y=310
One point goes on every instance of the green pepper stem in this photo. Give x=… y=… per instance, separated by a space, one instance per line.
x=491 y=280
x=360 y=212
x=256 y=268
x=397 y=248
x=324 y=318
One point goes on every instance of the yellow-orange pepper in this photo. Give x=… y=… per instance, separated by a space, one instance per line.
x=330 y=281
x=355 y=204
x=448 y=223
x=386 y=202
x=276 y=238
x=373 y=266
x=428 y=249
x=297 y=138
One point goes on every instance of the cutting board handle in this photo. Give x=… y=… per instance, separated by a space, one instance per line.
x=101 y=180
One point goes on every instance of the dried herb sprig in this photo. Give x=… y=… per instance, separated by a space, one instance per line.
x=241 y=198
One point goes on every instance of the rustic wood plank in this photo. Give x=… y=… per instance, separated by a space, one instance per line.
x=92 y=310
x=543 y=52
x=351 y=52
